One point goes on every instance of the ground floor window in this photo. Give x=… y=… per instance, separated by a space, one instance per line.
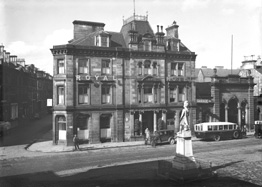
x=82 y=127
x=61 y=123
x=105 y=130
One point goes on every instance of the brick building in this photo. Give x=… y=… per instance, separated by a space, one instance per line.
x=19 y=89
x=110 y=86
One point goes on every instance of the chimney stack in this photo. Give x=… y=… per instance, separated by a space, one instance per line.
x=83 y=28
x=157 y=28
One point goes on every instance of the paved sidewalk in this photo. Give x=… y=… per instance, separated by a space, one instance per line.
x=48 y=147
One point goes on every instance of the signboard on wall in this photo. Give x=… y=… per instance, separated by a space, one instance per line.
x=49 y=102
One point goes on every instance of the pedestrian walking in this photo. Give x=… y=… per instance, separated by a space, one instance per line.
x=147 y=139
x=76 y=142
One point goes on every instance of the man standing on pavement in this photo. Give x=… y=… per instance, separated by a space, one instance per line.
x=76 y=142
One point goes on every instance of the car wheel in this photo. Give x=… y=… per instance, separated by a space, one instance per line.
x=216 y=138
x=172 y=141
x=236 y=134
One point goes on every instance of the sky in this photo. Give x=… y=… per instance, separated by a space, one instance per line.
x=30 y=28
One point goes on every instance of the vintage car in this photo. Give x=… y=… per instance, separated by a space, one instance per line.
x=5 y=127
x=258 y=129
x=163 y=136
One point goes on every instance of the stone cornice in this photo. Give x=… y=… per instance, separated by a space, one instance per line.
x=119 y=52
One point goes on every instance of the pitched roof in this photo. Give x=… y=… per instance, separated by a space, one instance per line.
x=208 y=72
x=117 y=39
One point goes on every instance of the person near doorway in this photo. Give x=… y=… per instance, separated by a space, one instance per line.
x=76 y=142
x=147 y=139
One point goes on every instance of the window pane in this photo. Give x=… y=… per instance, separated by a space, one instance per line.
x=61 y=66
x=83 y=66
x=61 y=95
x=173 y=66
x=106 y=95
x=83 y=94
x=103 y=41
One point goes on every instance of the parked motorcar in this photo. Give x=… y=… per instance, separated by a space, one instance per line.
x=258 y=129
x=5 y=127
x=163 y=136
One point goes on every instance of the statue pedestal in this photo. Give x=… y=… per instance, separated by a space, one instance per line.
x=184 y=166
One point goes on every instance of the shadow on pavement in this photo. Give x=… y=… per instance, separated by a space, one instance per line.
x=130 y=175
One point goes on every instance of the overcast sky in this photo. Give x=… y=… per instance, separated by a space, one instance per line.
x=29 y=28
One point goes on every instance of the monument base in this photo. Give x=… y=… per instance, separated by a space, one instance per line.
x=184 y=170
x=184 y=167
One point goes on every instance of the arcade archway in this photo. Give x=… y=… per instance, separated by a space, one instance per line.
x=232 y=110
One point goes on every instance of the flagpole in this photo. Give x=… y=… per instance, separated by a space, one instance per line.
x=231 y=53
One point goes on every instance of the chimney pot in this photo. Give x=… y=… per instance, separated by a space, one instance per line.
x=161 y=28
x=157 y=28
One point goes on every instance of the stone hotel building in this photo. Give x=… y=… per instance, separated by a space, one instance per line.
x=111 y=86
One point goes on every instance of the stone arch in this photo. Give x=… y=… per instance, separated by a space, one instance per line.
x=233 y=109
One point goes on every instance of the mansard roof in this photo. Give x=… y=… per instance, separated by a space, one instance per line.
x=117 y=39
x=142 y=27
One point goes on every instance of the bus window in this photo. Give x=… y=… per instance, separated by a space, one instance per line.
x=209 y=128
x=220 y=127
x=215 y=128
x=226 y=127
x=201 y=128
x=230 y=127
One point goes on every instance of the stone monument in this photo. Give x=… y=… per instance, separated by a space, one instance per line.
x=184 y=166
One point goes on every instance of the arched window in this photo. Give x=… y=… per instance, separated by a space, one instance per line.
x=147 y=68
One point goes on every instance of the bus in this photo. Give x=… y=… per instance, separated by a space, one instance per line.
x=217 y=130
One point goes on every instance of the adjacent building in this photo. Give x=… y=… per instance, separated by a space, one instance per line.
x=24 y=89
x=223 y=95
x=254 y=68
x=111 y=86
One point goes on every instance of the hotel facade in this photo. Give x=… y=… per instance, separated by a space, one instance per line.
x=111 y=86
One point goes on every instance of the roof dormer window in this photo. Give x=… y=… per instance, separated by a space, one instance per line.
x=102 y=40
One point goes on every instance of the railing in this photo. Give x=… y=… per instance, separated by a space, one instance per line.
x=135 y=17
